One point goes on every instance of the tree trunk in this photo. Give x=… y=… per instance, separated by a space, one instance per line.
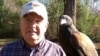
x=70 y=9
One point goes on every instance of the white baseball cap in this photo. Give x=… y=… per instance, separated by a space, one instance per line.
x=36 y=7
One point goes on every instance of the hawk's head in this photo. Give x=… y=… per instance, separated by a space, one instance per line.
x=65 y=20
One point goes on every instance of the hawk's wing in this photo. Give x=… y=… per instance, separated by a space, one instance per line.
x=85 y=44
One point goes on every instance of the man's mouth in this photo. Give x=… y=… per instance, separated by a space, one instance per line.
x=32 y=32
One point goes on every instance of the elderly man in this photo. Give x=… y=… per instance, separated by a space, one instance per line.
x=33 y=25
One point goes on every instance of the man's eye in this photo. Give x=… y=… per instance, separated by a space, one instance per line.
x=27 y=19
x=37 y=21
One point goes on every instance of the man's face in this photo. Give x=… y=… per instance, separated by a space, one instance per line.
x=33 y=28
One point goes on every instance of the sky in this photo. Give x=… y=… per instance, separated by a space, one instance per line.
x=97 y=4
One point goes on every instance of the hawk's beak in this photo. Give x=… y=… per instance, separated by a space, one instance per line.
x=63 y=21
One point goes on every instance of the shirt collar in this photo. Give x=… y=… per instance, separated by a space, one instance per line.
x=41 y=45
x=24 y=45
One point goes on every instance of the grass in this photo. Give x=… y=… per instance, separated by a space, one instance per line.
x=5 y=41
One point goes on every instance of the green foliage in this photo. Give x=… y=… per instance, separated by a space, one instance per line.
x=9 y=24
x=94 y=27
x=88 y=22
x=19 y=3
x=1 y=8
x=55 y=9
x=82 y=17
x=9 y=21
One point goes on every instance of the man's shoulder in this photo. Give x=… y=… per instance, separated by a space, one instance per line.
x=56 y=48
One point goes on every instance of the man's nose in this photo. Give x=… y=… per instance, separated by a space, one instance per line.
x=32 y=26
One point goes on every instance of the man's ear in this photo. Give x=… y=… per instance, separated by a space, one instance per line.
x=47 y=24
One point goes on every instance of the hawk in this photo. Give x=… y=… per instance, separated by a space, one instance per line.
x=74 y=42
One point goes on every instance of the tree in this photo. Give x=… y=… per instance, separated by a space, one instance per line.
x=70 y=9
